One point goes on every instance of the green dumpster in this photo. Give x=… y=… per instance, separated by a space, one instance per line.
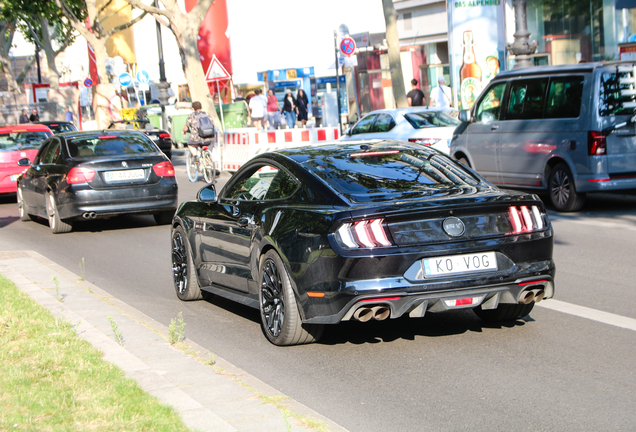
x=176 y=131
x=234 y=115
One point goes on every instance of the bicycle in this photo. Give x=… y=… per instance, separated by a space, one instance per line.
x=204 y=162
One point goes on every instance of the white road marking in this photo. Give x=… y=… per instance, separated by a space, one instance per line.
x=597 y=223
x=589 y=313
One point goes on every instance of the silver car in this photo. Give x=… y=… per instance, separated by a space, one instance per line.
x=562 y=129
x=429 y=126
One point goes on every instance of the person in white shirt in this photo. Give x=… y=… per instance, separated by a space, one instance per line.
x=441 y=95
x=257 y=109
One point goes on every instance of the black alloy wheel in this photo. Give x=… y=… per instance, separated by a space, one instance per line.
x=562 y=190
x=184 y=275
x=280 y=319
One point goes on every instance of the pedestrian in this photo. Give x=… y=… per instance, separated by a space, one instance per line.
x=302 y=103
x=192 y=125
x=289 y=109
x=273 y=110
x=257 y=110
x=34 y=117
x=415 y=97
x=441 y=95
x=24 y=117
x=69 y=114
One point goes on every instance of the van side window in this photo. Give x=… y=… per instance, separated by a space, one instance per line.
x=489 y=107
x=564 y=97
x=527 y=98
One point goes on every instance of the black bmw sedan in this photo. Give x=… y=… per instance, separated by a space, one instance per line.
x=319 y=235
x=99 y=174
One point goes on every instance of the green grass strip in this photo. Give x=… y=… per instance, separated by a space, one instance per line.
x=51 y=380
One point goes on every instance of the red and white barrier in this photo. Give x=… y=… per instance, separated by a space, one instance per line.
x=240 y=145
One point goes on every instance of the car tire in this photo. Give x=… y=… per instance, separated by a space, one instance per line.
x=22 y=208
x=280 y=319
x=562 y=190
x=57 y=225
x=186 y=283
x=504 y=312
x=164 y=217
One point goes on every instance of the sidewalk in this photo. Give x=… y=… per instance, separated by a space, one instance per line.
x=219 y=397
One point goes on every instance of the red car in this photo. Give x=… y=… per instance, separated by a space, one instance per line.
x=18 y=142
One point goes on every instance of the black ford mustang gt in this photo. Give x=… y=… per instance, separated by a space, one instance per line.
x=323 y=234
x=98 y=174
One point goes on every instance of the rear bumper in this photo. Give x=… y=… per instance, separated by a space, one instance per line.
x=604 y=183
x=415 y=301
x=75 y=200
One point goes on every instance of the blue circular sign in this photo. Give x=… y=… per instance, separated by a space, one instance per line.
x=347 y=46
x=88 y=82
x=125 y=79
x=143 y=77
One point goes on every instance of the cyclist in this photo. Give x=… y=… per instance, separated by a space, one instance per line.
x=192 y=125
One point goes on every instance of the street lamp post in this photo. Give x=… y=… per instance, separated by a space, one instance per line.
x=163 y=82
x=522 y=47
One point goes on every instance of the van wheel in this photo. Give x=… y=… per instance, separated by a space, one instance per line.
x=464 y=161
x=562 y=191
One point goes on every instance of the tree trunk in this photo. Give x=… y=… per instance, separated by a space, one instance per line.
x=195 y=76
x=5 y=46
x=393 y=42
x=47 y=45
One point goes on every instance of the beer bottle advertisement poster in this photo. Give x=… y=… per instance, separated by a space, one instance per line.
x=477 y=39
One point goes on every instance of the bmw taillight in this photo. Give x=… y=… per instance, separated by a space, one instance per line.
x=80 y=175
x=164 y=169
x=164 y=135
x=596 y=143
x=366 y=234
x=526 y=219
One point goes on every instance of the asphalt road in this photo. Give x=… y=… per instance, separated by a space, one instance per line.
x=447 y=372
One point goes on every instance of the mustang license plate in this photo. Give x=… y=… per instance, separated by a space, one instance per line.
x=137 y=174
x=454 y=264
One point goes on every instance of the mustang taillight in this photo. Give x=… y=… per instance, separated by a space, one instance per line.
x=164 y=135
x=164 y=169
x=525 y=219
x=80 y=175
x=363 y=234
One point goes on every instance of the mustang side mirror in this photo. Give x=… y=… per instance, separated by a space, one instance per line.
x=24 y=162
x=207 y=194
x=464 y=116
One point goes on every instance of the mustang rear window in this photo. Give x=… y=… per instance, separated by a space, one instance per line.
x=389 y=175
x=22 y=140
x=109 y=145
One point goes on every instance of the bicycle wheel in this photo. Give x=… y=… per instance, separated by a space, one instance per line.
x=209 y=170
x=192 y=167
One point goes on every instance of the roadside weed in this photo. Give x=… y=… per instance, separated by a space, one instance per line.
x=58 y=296
x=81 y=266
x=176 y=330
x=116 y=331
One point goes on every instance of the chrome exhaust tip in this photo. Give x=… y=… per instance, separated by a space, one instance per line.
x=539 y=295
x=381 y=313
x=363 y=314
x=526 y=297
x=86 y=215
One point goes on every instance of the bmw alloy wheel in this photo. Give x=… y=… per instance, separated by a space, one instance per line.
x=179 y=263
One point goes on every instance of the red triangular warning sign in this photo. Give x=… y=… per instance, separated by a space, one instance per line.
x=216 y=71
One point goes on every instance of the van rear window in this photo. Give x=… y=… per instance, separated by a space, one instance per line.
x=610 y=101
